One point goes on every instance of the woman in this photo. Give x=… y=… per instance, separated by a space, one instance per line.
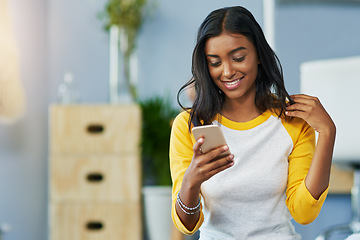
x=274 y=171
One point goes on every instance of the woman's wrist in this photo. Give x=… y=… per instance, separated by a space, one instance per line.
x=189 y=184
x=188 y=209
x=189 y=193
x=329 y=132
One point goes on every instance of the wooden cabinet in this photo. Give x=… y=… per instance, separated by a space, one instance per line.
x=94 y=172
x=94 y=129
x=86 y=221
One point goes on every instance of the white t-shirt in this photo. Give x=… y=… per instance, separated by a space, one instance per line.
x=257 y=197
x=247 y=200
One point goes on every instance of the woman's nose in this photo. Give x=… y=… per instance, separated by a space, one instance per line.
x=228 y=70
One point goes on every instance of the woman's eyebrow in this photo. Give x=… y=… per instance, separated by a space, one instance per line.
x=236 y=49
x=212 y=55
x=231 y=52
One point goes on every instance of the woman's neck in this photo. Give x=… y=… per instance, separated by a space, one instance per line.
x=239 y=111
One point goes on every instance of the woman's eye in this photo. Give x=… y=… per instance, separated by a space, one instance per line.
x=214 y=64
x=240 y=59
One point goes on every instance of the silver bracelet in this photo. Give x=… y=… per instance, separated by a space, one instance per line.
x=183 y=206
x=188 y=213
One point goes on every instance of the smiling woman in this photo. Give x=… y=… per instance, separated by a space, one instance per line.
x=233 y=66
x=12 y=101
x=274 y=172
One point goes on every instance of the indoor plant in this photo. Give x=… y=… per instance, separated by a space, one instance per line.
x=157 y=117
x=126 y=17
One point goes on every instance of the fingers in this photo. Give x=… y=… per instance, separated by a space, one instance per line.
x=213 y=154
x=303 y=99
x=197 y=146
x=303 y=106
x=215 y=166
x=312 y=111
x=221 y=167
x=299 y=107
x=205 y=165
x=217 y=162
x=298 y=114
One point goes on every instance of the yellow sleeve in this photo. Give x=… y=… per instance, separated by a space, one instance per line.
x=303 y=207
x=181 y=153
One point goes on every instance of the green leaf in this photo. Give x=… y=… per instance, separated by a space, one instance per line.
x=157 y=117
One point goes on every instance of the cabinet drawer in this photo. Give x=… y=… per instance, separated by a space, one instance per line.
x=94 y=129
x=96 y=178
x=95 y=222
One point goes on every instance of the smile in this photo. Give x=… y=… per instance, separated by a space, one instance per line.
x=232 y=84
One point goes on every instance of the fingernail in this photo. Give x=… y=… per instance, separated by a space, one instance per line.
x=225 y=147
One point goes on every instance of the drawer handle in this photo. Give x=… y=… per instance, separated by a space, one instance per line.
x=95 y=128
x=94 y=226
x=95 y=177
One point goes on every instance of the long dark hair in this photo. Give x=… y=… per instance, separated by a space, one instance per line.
x=270 y=89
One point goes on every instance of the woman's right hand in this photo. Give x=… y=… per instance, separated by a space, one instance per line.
x=205 y=165
x=202 y=167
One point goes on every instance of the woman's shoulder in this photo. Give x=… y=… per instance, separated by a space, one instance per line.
x=294 y=122
x=182 y=120
x=286 y=120
x=297 y=127
x=183 y=116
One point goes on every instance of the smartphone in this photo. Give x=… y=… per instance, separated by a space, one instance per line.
x=213 y=138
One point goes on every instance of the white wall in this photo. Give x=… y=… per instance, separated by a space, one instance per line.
x=78 y=43
x=314 y=31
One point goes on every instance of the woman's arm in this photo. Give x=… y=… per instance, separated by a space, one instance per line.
x=310 y=109
x=202 y=167
x=189 y=169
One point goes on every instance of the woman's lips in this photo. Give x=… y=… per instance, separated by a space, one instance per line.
x=230 y=85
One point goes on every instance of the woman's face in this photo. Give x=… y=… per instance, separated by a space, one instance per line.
x=233 y=65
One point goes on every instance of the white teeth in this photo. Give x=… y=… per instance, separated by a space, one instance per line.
x=232 y=83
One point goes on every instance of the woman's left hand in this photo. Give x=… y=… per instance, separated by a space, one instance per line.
x=311 y=110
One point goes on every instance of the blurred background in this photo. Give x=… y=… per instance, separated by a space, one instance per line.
x=59 y=36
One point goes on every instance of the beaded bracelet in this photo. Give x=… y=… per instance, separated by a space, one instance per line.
x=184 y=207
x=188 y=213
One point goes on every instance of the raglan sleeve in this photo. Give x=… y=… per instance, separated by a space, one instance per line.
x=181 y=153
x=303 y=207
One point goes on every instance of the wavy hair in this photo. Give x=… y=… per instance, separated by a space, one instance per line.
x=270 y=89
